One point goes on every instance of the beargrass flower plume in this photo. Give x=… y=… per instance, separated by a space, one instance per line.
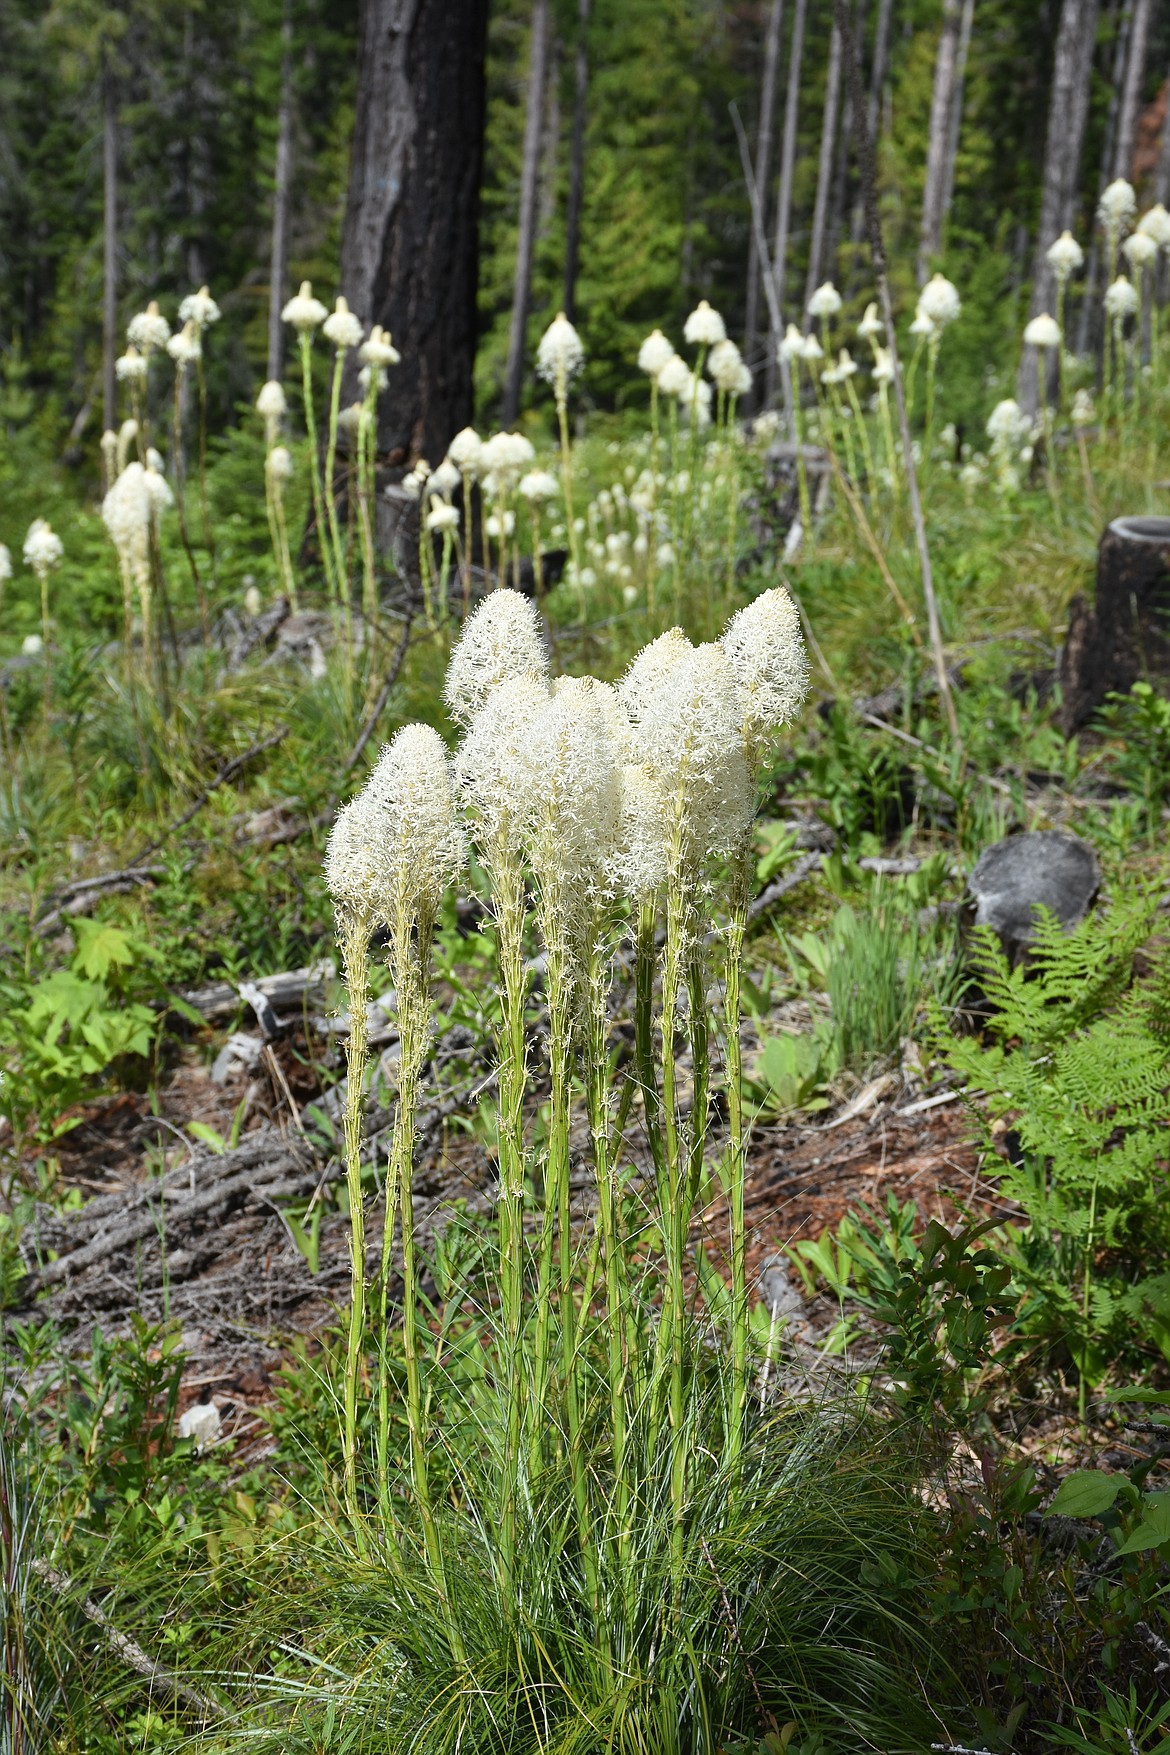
x=675 y=377
x=506 y=456
x=825 y=302
x=1121 y=299
x=704 y=327
x=303 y=311
x=5 y=564
x=186 y=348
x=502 y=638
x=939 y=302
x=639 y=862
x=690 y=735
x=922 y=325
x=131 y=366
x=493 y=767
x=341 y=327
x=1155 y=223
x=419 y=846
x=883 y=366
x=1117 y=207
x=158 y=489
x=442 y=516
x=126 y=514
x=1007 y=424
x=32 y=646
x=272 y=406
x=537 y=485
x=1139 y=250
x=1043 y=331
x=1065 y=257
x=466 y=451
x=560 y=355
x=199 y=308
x=280 y=463
x=127 y=436
x=43 y=548
x=573 y=798
x=792 y=346
x=109 y=446
x=811 y=350
x=654 y=353
x=650 y=672
x=377 y=349
x=871 y=325
x=723 y=364
x=149 y=330
x=1083 y=411
x=765 y=648
x=373 y=379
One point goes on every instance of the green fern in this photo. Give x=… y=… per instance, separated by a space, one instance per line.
x=1076 y=1061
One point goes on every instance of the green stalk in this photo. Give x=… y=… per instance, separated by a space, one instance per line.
x=284 y=553
x=562 y=400
x=1061 y=295
x=801 y=471
x=736 y=1156
x=208 y=528
x=932 y=348
x=644 y=962
x=340 y=570
x=863 y=432
x=365 y=502
x=512 y=1058
x=888 y=435
x=314 y=462
x=353 y=938
x=671 y=1203
x=732 y=495
x=180 y=502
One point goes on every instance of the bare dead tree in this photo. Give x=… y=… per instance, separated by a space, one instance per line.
x=762 y=172
x=941 y=102
x=1068 y=106
x=816 y=246
x=281 y=194
x=787 y=172
x=955 y=120
x=837 y=197
x=109 y=243
x=577 y=160
x=1135 y=72
x=1089 y=304
x=873 y=108
x=526 y=240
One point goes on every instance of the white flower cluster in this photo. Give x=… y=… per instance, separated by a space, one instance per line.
x=43 y=548
x=304 y=312
x=560 y=355
x=149 y=330
x=671 y=375
x=938 y=306
x=341 y=327
x=135 y=502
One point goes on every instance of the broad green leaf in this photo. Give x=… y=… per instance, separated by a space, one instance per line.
x=100 y=948
x=1154 y=1528
x=1085 y=1493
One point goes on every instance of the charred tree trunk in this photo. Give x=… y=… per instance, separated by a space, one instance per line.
x=1122 y=636
x=763 y=172
x=1089 y=324
x=109 y=248
x=837 y=200
x=787 y=171
x=1135 y=71
x=577 y=161
x=942 y=98
x=816 y=247
x=282 y=188
x=526 y=241
x=410 y=246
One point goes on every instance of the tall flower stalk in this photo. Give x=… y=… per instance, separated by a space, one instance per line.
x=559 y=358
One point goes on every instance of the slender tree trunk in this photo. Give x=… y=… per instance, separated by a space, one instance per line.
x=525 y=244
x=763 y=172
x=1090 y=313
x=873 y=108
x=787 y=173
x=410 y=245
x=282 y=188
x=109 y=247
x=1135 y=73
x=577 y=161
x=1068 y=108
x=816 y=247
x=942 y=99
x=955 y=120
x=837 y=199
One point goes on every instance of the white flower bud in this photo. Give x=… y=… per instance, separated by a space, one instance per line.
x=130 y=366
x=341 y=327
x=704 y=327
x=377 y=349
x=465 y=451
x=43 y=548
x=186 y=348
x=1042 y=331
x=560 y=355
x=303 y=311
x=654 y=353
x=1121 y=299
x=502 y=638
x=939 y=301
x=1064 y=257
x=825 y=301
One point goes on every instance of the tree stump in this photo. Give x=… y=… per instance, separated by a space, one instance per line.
x=1047 y=868
x=1125 y=634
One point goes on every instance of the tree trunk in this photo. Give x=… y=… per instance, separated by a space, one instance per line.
x=816 y=247
x=942 y=99
x=282 y=187
x=838 y=197
x=1089 y=324
x=763 y=172
x=787 y=172
x=577 y=161
x=525 y=243
x=873 y=108
x=955 y=120
x=1135 y=72
x=410 y=246
x=1068 y=107
x=109 y=248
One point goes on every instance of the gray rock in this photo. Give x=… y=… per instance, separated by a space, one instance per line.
x=1049 y=868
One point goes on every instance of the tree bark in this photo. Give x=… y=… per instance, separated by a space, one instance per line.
x=816 y=247
x=525 y=243
x=577 y=161
x=942 y=99
x=955 y=120
x=1135 y=69
x=410 y=245
x=1122 y=635
x=109 y=248
x=787 y=172
x=1090 y=303
x=1068 y=108
x=838 y=197
x=763 y=171
x=282 y=188
x=873 y=107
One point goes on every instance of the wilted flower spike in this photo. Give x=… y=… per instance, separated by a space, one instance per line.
x=503 y=638
x=704 y=327
x=560 y=355
x=765 y=649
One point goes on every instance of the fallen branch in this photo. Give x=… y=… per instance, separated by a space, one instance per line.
x=130 y=1652
x=225 y=775
x=77 y=898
